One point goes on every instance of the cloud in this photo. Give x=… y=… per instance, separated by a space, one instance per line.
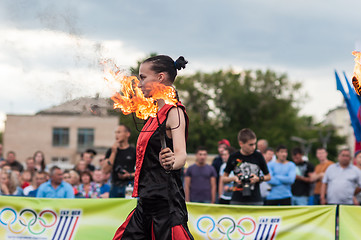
x=55 y=46
x=50 y=66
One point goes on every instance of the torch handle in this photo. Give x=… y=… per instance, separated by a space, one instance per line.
x=163 y=143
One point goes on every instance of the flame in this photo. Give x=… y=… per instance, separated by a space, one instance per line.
x=356 y=79
x=130 y=98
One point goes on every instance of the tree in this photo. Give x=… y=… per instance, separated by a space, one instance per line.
x=223 y=102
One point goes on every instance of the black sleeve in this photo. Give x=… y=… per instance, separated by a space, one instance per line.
x=107 y=154
x=310 y=168
x=135 y=153
x=230 y=165
x=21 y=167
x=263 y=165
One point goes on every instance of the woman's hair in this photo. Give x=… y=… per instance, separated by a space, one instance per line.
x=75 y=174
x=42 y=160
x=163 y=63
x=13 y=181
x=78 y=164
x=86 y=173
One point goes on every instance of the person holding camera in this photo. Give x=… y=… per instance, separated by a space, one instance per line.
x=246 y=165
x=120 y=161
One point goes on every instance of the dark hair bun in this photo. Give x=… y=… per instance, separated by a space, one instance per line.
x=180 y=63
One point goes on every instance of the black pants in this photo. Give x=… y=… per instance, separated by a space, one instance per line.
x=152 y=220
x=279 y=202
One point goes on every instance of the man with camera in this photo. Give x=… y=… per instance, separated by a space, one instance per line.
x=120 y=161
x=246 y=165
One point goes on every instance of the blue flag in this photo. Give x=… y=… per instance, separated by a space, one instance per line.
x=353 y=104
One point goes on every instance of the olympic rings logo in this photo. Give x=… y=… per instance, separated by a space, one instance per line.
x=226 y=227
x=28 y=219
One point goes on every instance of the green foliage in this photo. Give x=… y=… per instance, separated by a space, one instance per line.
x=222 y=103
x=334 y=141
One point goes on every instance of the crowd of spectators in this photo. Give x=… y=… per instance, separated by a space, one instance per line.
x=242 y=175
x=35 y=179
x=252 y=174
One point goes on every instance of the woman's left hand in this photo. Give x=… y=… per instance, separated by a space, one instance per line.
x=166 y=159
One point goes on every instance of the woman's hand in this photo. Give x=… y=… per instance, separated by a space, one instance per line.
x=5 y=189
x=166 y=159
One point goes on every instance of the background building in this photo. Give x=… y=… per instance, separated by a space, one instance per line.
x=62 y=132
x=340 y=119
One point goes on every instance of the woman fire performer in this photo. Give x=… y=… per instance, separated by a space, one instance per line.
x=161 y=211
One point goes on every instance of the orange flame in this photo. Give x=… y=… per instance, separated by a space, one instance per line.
x=131 y=99
x=356 y=79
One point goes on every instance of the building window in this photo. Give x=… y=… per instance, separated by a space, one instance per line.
x=60 y=137
x=85 y=137
x=60 y=160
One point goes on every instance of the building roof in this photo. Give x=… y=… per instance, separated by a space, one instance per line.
x=340 y=107
x=81 y=106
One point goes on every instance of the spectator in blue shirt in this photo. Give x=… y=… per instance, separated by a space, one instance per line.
x=98 y=177
x=55 y=187
x=283 y=175
x=40 y=178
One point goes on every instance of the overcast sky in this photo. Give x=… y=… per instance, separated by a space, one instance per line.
x=50 y=50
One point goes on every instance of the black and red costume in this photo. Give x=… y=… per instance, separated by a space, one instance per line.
x=161 y=212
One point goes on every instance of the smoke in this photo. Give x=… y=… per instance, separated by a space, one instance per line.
x=358 y=46
x=48 y=55
x=77 y=79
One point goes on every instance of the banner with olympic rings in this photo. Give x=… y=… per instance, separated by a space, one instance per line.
x=207 y=221
x=73 y=219
x=349 y=222
x=65 y=219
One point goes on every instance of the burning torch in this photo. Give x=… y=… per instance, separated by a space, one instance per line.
x=356 y=78
x=130 y=98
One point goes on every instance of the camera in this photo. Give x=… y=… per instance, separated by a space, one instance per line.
x=244 y=173
x=119 y=170
x=246 y=184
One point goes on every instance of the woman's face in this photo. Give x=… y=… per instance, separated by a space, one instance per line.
x=85 y=179
x=147 y=77
x=66 y=177
x=82 y=166
x=5 y=179
x=6 y=169
x=38 y=158
x=74 y=179
x=26 y=176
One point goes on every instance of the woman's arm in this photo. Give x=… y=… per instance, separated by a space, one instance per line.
x=177 y=125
